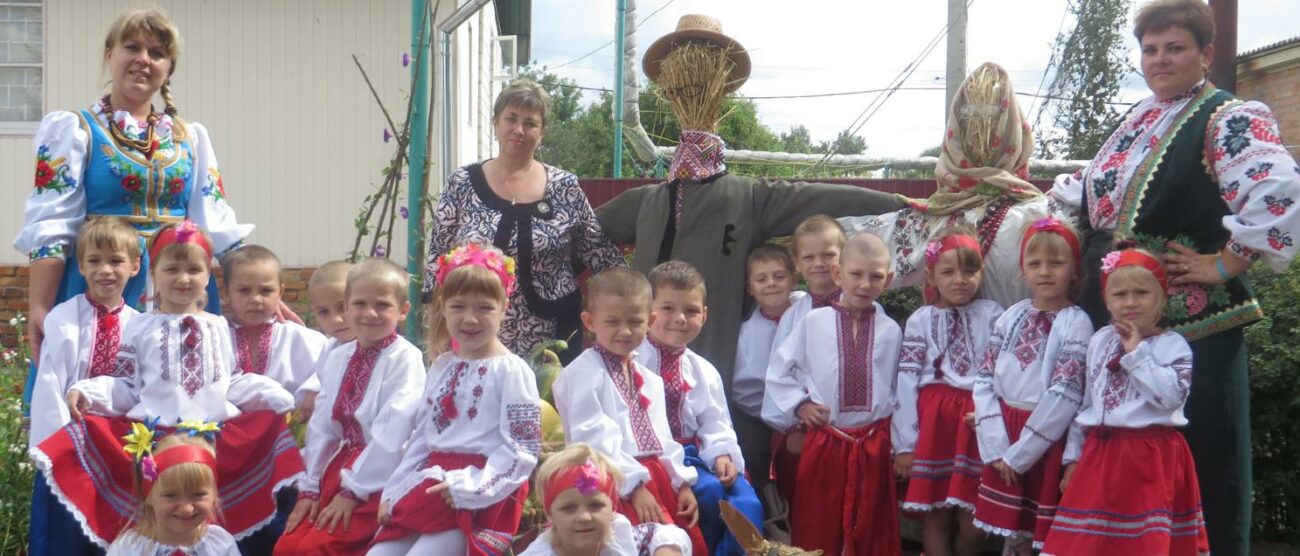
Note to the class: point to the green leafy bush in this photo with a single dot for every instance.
(16, 471)
(1275, 405)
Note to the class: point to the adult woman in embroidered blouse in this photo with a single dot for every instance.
(117, 158)
(533, 212)
(1203, 178)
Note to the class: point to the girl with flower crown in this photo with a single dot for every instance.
(1129, 482)
(178, 484)
(940, 354)
(578, 487)
(1029, 388)
(175, 368)
(370, 391)
(462, 482)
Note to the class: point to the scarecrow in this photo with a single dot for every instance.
(983, 174)
(706, 216)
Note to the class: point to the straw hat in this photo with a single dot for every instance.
(698, 28)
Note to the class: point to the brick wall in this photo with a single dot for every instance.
(1273, 77)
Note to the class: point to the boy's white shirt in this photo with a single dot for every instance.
(704, 412)
(386, 414)
(927, 336)
(65, 357)
(312, 384)
(1150, 390)
(150, 385)
(625, 539)
(807, 367)
(505, 426)
(1051, 382)
(753, 352)
(593, 411)
(294, 355)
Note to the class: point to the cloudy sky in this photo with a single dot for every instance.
(824, 46)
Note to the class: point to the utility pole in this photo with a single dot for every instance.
(956, 51)
(619, 42)
(1223, 69)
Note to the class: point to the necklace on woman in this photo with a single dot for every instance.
(145, 146)
(506, 180)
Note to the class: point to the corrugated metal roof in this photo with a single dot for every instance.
(1269, 48)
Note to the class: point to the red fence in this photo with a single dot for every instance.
(601, 190)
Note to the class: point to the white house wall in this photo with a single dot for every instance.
(297, 133)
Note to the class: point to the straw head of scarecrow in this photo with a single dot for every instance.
(696, 67)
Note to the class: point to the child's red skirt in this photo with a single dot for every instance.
(1026, 508)
(488, 531)
(661, 487)
(846, 502)
(93, 477)
(1133, 492)
(946, 465)
(306, 539)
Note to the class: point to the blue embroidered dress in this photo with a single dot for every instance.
(82, 172)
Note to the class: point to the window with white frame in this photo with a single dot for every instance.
(22, 47)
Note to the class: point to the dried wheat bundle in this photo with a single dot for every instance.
(984, 92)
(693, 79)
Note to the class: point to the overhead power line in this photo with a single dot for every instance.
(610, 43)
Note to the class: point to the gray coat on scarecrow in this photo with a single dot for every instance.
(704, 215)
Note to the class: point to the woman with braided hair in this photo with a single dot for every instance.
(119, 158)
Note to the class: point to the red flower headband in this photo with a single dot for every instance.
(938, 247)
(1132, 257)
(588, 478)
(1051, 224)
(477, 255)
(185, 232)
(154, 467)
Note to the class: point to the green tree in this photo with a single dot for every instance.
(797, 140)
(1091, 63)
(566, 97)
(844, 143)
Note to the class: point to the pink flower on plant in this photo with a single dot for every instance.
(387, 135)
(406, 59)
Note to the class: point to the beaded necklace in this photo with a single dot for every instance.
(146, 146)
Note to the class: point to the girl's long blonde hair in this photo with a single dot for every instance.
(465, 280)
(185, 478)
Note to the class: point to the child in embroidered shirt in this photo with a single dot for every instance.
(370, 389)
(176, 366)
(1029, 388)
(462, 483)
(770, 276)
(179, 486)
(325, 298)
(835, 374)
(578, 487)
(1138, 378)
(608, 400)
(817, 244)
(81, 339)
(287, 352)
(941, 352)
(696, 405)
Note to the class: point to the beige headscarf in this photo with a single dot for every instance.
(986, 147)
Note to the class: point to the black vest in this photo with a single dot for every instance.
(1174, 196)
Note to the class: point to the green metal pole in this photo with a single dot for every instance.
(619, 42)
(417, 159)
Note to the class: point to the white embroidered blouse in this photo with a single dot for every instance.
(474, 406)
(823, 362)
(695, 402)
(753, 353)
(180, 367)
(1036, 360)
(369, 396)
(625, 540)
(1144, 388)
(215, 542)
(623, 421)
(81, 341)
(286, 352)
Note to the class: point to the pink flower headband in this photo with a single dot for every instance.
(1132, 257)
(477, 255)
(938, 247)
(588, 478)
(185, 232)
(1051, 224)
